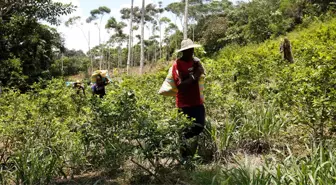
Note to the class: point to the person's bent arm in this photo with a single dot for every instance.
(183, 84)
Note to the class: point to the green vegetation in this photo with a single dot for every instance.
(31, 50)
(27, 46)
(268, 121)
(256, 102)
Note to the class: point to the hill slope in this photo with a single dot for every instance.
(256, 103)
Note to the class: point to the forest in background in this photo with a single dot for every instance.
(33, 51)
(268, 121)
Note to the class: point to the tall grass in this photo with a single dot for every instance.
(319, 168)
(262, 122)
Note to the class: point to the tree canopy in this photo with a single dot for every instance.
(27, 46)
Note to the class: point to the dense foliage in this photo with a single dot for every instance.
(220, 23)
(70, 62)
(27, 46)
(31, 50)
(255, 101)
(214, 24)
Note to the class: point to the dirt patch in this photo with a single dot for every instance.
(255, 146)
(97, 178)
(74, 78)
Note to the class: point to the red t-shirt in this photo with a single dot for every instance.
(189, 96)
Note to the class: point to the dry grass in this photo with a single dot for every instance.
(148, 69)
(97, 178)
(134, 71)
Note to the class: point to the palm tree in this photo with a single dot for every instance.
(119, 36)
(163, 21)
(177, 9)
(172, 29)
(130, 38)
(147, 14)
(135, 28)
(160, 11)
(154, 37)
(101, 11)
(142, 55)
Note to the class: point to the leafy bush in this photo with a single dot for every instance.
(36, 137)
(251, 95)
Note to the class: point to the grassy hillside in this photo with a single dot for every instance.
(261, 104)
(256, 103)
(241, 80)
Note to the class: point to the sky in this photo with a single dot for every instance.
(74, 36)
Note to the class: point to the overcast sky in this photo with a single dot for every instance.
(73, 36)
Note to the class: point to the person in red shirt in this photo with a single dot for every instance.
(186, 73)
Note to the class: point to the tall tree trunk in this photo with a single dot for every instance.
(109, 58)
(152, 53)
(142, 55)
(193, 28)
(90, 52)
(130, 38)
(62, 58)
(148, 57)
(101, 46)
(155, 53)
(119, 56)
(133, 51)
(160, 40)
(185, 31)
(133, 56)
(101, 53)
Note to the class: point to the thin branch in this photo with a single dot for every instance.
(87, 40)
(144, 168)
(152, 163)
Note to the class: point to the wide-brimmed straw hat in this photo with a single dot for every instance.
(187, 44)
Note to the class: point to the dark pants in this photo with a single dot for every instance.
(197, 113)
(100, 91)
